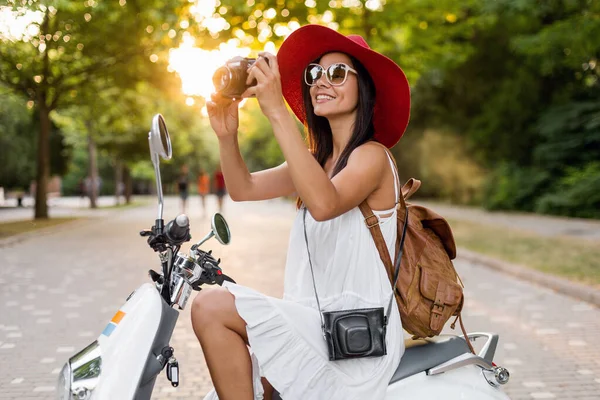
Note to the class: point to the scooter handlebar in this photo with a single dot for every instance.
(178, 230)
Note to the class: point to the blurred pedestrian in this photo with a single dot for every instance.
(220, 189)
(203, 188)
(81, 190)
(183, 186)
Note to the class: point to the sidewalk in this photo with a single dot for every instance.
(61, 207)
(544, 225)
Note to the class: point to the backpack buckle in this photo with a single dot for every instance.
(374, 219)
(438, 308)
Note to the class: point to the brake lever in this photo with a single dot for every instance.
(157, 243)
(211, 272)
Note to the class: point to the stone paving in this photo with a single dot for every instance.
(60, 289)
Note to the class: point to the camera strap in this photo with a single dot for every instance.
(396, 266)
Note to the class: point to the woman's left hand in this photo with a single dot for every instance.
(268, 88)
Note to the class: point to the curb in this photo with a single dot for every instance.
(560, 285)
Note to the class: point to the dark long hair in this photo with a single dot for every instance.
(318, 131)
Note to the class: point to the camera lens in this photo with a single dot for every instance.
(221, 79)
(230, 79)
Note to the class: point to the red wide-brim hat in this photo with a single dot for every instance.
(392, 103)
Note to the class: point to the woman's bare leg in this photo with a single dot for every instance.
(267, 388)
(222, 335)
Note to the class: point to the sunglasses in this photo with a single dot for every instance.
(336, 74)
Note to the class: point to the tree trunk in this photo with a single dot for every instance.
(43, 162)
(119, 185)
(92, 170)
(128, 185)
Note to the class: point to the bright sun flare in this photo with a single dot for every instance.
(196, 66)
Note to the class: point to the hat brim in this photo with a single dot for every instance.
(392, 103)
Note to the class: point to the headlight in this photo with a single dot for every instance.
(80, 375)
(63, 388)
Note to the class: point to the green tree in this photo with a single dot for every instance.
(72, 44)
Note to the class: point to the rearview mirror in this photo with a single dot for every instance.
(160, 146)
(160, 142)
(220, 230)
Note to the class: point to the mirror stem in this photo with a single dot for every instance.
(159, 190)
(210, 234)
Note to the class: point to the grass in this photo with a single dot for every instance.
(17, 227)
(578, 260)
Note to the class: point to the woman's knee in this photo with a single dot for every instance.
(209, 305)
(216, 306)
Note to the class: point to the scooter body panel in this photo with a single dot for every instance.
(466, 383)
(126, 342)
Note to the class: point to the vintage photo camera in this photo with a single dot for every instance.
(230, 79)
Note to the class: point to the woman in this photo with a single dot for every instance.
(182, 186)
(220, 188)
(350, 98)
(203, 188)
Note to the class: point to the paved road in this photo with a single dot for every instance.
(59, 290)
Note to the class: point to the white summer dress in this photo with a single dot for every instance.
(285, 337)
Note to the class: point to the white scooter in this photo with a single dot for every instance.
(134, 348)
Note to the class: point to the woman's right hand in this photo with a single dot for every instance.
(223, 115)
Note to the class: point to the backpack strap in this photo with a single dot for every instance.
(410, 187)
(383, 251)
(372, 222)
(464, 331)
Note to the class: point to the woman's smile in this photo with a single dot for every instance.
(323, 98)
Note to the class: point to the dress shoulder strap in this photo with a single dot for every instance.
(396, 178)
(394, 171)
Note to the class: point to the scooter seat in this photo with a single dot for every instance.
(423, 354)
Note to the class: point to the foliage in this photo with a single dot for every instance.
(258, 148)
(16, 139)
(505, 93)
(576, 194)
(73, 51)
(525, 101)
(511, 187)
(18, 126)
(562, 180)
(569, 135)
(446, 168)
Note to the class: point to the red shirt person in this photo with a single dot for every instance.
(220, 189)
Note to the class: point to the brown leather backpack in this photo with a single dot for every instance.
(429, 291)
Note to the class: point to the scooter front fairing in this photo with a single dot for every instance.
(127, 356)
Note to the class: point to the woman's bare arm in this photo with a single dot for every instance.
(328, 198)
(245, 186)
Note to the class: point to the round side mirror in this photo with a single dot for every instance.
(160, 142)
(221, 229)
